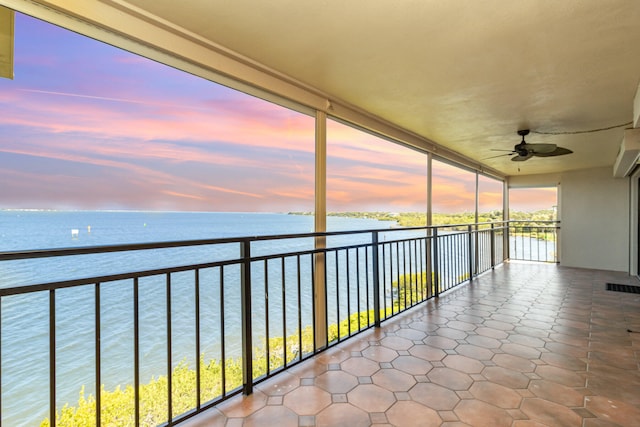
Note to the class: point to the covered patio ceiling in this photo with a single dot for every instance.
(464, 74)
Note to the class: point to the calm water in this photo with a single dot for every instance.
(25, 332)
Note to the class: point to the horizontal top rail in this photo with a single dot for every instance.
(87, 250)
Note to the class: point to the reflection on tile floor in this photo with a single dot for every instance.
(525, 345)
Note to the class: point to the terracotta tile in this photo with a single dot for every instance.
(463, 364)
(514, 363)
(342, 414)
(482, 341)
(336, 381)
(532, 332)
(243, 406)
(440, 342)
(454, 334)
(272, 415)
(307, 400)
(360, 366)
(557, 393)
(393, 380)
(505, 377)
(492, 333)
(434, 396)
(563, 361)
(396, 343)
(475, 352)
(481, 414)
(520, 351)
(371, 398)
(561, 376)
(279, 385)
(526, 340)
(379, 353)
(427, 352)
(495, 324)
(406, 413)
(496, 394)
(411, 334)
(550, 413)
(450, 378)
(412, 365)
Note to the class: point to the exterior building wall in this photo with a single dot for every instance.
(595, 220)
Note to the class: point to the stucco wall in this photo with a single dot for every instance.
(595, 220)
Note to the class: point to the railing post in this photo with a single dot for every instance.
(376, 279)
(436, 263)
(471, 251)
(245, 295)
(493, 246)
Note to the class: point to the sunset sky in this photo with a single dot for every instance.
(89, 126)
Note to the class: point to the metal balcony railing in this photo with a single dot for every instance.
(196, 322)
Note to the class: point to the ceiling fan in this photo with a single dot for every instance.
(524, 151)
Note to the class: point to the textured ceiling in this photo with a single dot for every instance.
(466, 74)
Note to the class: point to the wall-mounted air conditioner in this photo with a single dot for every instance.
(628, 155)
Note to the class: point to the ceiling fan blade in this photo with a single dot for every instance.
(522, 158)
(559, 151)
(541, 148)
(499, 155)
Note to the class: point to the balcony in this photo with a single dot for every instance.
(520, 342)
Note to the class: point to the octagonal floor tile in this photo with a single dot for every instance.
(450, 378)
(271, 416)
(360, 366)
(427, 352)
(496, 394)
(481, 414)
(371, 398)
(434, 396)
(505, 377)
(307, 400)
(342, 414)
(464, 364)
(379, 353)
(396, 343)
(550, 413)
(407, 413)
(561, 376)
(393, 380)
(412, 365)
(336, 381)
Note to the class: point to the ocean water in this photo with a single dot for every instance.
(25, 333)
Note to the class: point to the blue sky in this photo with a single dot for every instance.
(88, 126)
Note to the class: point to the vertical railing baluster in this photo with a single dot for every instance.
(223, 346)
(266, 315)
(52, 357)
(136, 350)
(299, 307)
(284, 311)
(436, 263)
(384, 281)
(358, 285)
(97, 338)
(348, 286)
(404, 271)
(337, 294)
(366, 275)
(169, 353)
(398, 272)
(197, 328)
(492, 236)
(326, 298)
(313, 300)
(471, 253)
(376, 281)
(245, 294)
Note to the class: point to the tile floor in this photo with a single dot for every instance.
(526, 345)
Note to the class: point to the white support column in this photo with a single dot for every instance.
(320, 226)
